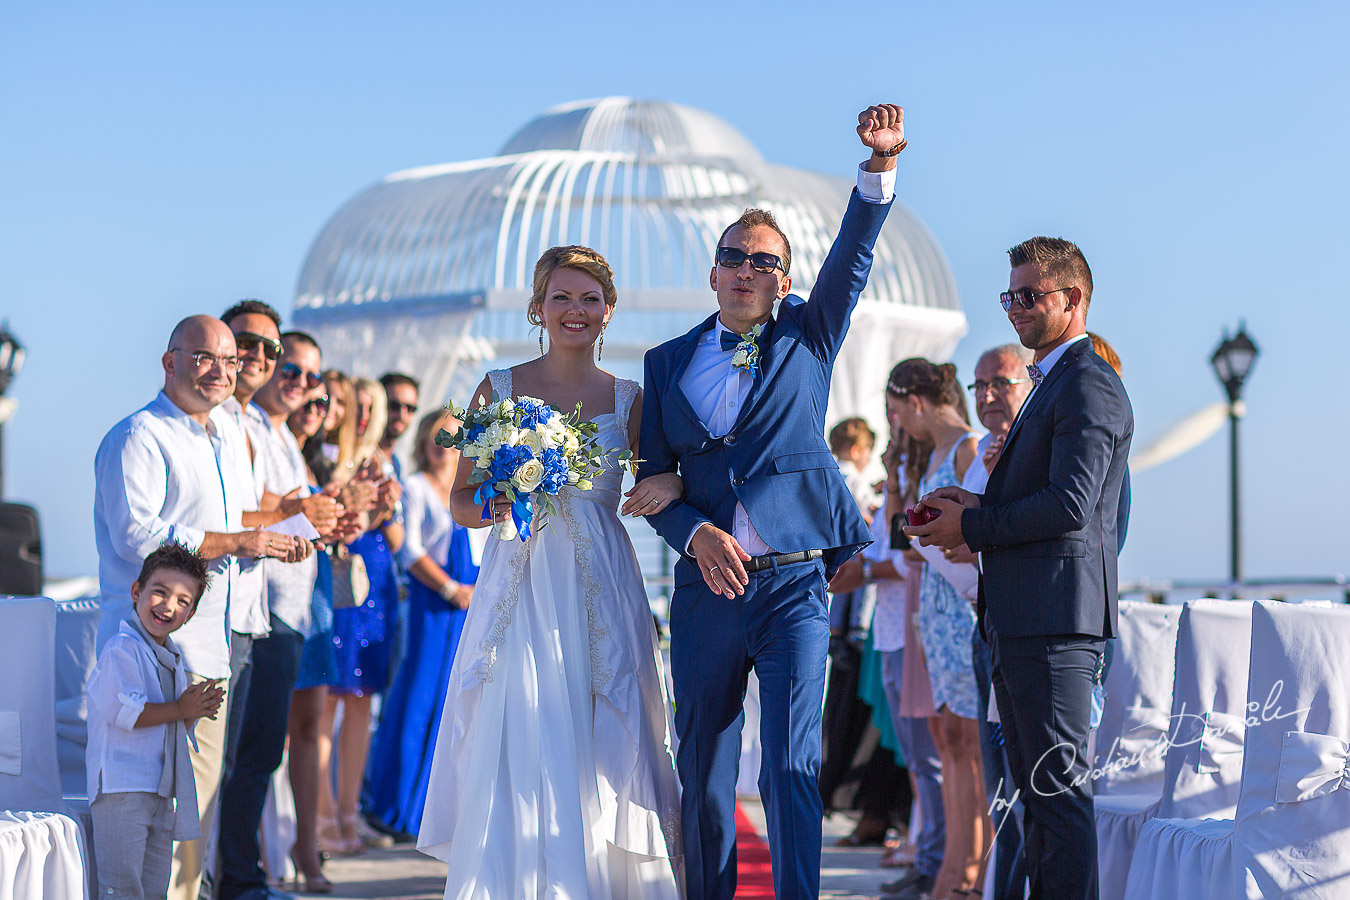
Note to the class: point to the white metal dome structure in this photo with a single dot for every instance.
(428, 271)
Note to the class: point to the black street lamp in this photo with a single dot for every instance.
(1232, 362)
(11, 361)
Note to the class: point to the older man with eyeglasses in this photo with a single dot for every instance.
(170, 472)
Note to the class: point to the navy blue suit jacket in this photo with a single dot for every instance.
(775, 460)
(1048, 523)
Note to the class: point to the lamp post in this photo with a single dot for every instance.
(11, 361)
(1232, 362)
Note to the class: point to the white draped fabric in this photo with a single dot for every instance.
(29, 776)
(1203, 763)
(1291, 833)
(41, 857)
(1130, 741)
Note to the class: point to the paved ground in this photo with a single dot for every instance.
(404, 874)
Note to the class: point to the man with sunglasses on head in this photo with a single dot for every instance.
(170, 472)
(737, 407)
(1046, 527)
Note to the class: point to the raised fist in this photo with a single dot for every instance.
(881, 127)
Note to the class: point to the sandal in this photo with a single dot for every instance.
(867, 833)
(897, 858)
(329, 839)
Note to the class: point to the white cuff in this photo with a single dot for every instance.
(876, 187)
(690, 539)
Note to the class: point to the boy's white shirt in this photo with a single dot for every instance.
(121, 757)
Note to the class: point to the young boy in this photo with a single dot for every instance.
(141, 714)
(851, 442)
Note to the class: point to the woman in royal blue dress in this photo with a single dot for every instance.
(438, 555)
(365, 620)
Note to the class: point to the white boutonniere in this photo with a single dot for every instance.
(745, 355)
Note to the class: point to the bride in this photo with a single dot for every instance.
(553, 775)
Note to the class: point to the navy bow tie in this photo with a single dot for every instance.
(1037, 376)
(731, 340)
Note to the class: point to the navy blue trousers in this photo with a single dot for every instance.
(780, 627)
(1043, 685)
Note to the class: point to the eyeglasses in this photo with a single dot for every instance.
(1025, 297)
(731, 258)
(319, 404)
(292, 372)
(395, 406)
(204, 360)
(998, 385)
(247, 340)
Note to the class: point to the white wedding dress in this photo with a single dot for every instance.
(553, 775)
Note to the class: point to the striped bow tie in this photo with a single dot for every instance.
(1037, 376)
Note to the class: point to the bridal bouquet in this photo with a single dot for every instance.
(526, 451)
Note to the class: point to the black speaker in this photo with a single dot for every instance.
(20, 550)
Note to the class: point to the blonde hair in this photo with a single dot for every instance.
(574, 256)
(344, 435)
(367, 443)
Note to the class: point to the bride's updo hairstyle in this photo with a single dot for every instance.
(583, 259)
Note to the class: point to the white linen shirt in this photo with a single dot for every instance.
(717, 390)
(888, 616)
(124, 680)
(160, 476)
(290, 586)
(248, 600)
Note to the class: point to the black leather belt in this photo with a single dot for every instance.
(759, 563)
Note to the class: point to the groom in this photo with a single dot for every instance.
(737, 407)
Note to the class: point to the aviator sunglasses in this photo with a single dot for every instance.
(731, 258)
(247, 340)
(1025, 297)
(292, 372)
(319, 405)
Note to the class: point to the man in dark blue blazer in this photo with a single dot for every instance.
(1046, 528)
(737, 407)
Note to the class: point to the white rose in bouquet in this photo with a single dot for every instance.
(528, 476)
(570, 444)
(532, 441)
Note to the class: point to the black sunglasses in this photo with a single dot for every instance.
(395, 406)
(1025, 297)
(731, 258)
(247, 340)
(292, 372)
(319, 404)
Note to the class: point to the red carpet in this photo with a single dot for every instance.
(754, 873)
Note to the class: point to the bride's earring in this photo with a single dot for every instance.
(600, 351)
(541, 340)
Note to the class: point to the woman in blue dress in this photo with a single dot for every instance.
(365, 621)
(438, 555)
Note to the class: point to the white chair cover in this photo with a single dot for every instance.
(29, 777)
(1293, 812)
(1129, 743)
(1203, 761)
(41, 857)
(76, 637)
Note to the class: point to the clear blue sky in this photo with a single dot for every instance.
(161, 160)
